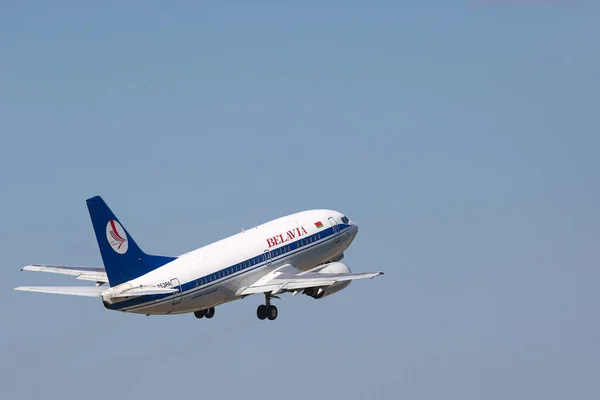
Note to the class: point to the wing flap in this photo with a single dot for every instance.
(86, 291)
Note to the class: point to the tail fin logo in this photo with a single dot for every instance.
(116, 236)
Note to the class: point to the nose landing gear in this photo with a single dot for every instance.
(267, 311)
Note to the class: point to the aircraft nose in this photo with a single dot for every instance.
(354, 227)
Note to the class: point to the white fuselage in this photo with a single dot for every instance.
(217, 273)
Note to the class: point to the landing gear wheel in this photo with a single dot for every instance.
(271, 313)
(261, 312)
(210, 312)
(199, 314)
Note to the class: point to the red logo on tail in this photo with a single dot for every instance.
(115, 234)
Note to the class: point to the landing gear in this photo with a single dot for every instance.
(261, 312)
(208, 313)
(271, 313)
(267, 310)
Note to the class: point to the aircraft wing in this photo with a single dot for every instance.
(83, 273)
(288, 278)
(87, 291)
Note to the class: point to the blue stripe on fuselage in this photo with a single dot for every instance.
(225, 274)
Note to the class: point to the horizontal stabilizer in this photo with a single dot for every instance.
(82, 273)
(87, 291)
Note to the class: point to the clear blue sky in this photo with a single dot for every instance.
(462, 137)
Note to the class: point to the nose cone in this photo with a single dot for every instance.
(353, 230)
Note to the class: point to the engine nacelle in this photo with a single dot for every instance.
(332, 268)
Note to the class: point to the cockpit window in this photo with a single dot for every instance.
(345, 219)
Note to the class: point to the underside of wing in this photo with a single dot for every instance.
(288, 278)
(97, 275)
(87, 291)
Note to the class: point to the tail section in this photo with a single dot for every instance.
(122, 257)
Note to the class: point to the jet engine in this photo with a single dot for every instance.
(332, 268)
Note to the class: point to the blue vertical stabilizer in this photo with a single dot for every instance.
(122, 257)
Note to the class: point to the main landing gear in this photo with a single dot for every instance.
(208, 313)
(267, 310)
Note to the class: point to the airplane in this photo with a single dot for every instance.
(299, 254)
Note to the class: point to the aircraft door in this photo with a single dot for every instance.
(177, 295)
(334, 226)
(268, 257)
